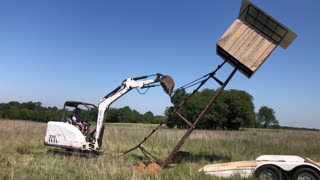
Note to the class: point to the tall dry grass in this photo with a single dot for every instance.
(23, 155)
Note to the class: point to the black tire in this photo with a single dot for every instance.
(268, 172)
(305, 173)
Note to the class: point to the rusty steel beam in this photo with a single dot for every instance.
(190, 130)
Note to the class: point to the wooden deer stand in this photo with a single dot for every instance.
(245, 45)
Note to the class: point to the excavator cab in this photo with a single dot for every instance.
(88, 113)
(87, 110)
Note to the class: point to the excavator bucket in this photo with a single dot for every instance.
(167, 84)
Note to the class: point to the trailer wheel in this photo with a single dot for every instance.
(268, 172)
(305, 173)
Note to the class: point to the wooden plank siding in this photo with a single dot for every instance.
(245, 46)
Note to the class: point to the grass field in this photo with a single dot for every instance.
(23, 155)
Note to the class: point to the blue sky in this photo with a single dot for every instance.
(53, 51)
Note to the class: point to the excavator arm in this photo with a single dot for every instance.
(166, 82)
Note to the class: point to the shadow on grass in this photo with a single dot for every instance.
(182, 156)
(137, 157)
(74, 153)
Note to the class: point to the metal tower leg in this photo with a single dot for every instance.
(193, 126)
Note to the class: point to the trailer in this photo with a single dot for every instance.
(275, 167)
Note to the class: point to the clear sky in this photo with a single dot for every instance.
(53, 51)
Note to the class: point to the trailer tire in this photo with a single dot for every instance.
(268, 172)
(305, 172)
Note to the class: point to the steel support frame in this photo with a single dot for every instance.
(193, 126)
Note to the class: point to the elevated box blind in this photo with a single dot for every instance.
(251, 38)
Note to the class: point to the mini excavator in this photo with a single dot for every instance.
(65, 135)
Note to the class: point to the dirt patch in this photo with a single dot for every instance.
(139, 167)
(151, 168)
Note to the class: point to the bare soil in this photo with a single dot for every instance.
(150, 168)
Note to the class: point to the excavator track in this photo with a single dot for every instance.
(75, 153)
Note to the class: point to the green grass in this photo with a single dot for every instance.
(23, 155)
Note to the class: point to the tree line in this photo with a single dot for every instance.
(29, 111)
(233, 109)
(126, 114)
(34, 111)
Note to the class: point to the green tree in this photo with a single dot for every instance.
(178, 96)
(172, 118)
(125, 114)
(232, 109)
(135, 117)
(170, 123)
(29, 111)
(266, 117)
(36, 112)
(112, 115)
(239, 109)
(148, 117)
(157, 119)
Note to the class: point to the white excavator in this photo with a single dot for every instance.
(65, 135)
